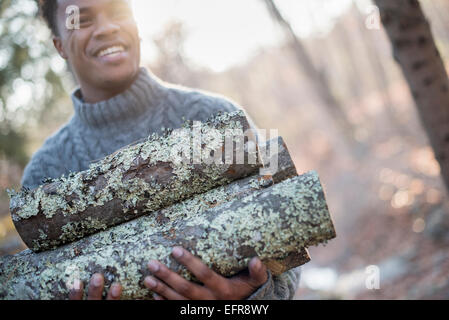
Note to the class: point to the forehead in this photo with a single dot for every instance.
(89, 4)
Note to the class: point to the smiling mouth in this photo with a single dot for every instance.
(111, 51)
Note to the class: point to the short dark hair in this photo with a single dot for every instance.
(48, 12)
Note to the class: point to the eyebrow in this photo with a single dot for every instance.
(112, 2)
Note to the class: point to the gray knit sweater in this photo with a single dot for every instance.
(97, 130)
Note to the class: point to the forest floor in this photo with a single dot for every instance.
(391, 211)
(412, 257)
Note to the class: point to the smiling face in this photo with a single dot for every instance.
(104, 52)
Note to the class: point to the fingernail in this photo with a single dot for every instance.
(150, 282)
(177, 252)
(153, 266)
(76, 285)
(97, 280)
(115, 290)
(257, 264)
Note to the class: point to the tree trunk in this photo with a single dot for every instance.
(440, 11)
(135, 180)
(416, 52)
(273, 222)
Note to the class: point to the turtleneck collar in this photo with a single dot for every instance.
(143, 94)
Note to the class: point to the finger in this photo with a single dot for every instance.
(77, 292)
(95, 291)
(115, 291)
(176, 282)
(162, 290)
(201, 271)
(257, 272)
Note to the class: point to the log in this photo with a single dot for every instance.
(134, 181)
(271, 222)
(274, 151)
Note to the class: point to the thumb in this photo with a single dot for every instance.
(257, 272)
(76, 293)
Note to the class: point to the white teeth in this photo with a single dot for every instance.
(111, 50)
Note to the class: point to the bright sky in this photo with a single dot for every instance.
(223, 33)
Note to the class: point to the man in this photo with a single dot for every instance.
(117, 103)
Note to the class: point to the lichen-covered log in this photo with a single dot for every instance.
(273, 149)
(271, 223)
(136, 180)
(129, 230)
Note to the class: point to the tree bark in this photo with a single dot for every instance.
(135, 180)
(415, 50)
(274, 223)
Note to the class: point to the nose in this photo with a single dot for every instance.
(105, 27)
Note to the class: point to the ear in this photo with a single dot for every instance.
(58, 45)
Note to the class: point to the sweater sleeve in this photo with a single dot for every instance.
(40, 167)
(45, 163)
(281, 287)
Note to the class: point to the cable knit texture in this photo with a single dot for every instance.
(99, 129)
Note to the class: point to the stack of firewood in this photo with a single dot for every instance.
(225, 198)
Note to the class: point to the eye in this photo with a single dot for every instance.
(85, 20)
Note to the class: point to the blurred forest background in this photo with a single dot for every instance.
(381, 179)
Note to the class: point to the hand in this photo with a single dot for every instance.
(95, 290)
(170, 285)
